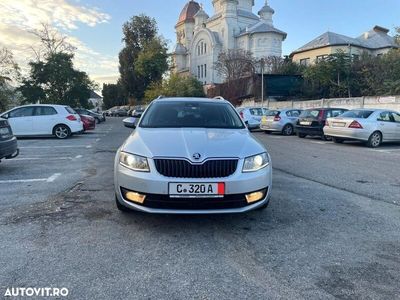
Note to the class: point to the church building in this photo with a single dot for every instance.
(233, 25)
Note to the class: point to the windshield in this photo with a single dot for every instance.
(193, 114)
(361, 114)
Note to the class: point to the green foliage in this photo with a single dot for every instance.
(113, 95)
(175, 86)
(56, 81)
(144, 58)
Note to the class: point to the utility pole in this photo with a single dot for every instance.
(262, 81)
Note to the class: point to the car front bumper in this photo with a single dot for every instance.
(155, 187)
(9, 148)
(347, 133)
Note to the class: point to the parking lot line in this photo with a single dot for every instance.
(42, 158)
(50, 179)
(47, 147)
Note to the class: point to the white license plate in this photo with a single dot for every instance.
(4, 131)
(334, 124)
(305, 123)
(196, 189)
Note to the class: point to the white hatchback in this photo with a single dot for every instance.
(43, 120)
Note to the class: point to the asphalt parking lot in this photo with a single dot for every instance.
(331, 231)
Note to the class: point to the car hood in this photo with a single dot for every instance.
(184, 142)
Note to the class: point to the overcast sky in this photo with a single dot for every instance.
(94, 26)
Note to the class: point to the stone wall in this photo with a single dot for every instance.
(384, 102)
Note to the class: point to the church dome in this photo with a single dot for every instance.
(188, 12)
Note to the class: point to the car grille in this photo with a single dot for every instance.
(3, 124)
(180, 168)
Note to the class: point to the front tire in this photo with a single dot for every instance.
(62, 132)
(375, 140)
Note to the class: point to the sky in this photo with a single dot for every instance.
(94, 26)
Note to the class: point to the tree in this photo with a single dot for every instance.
(51, 42)
(175, 86)
(140, 36)
(9, 71)
(56, 81)
(113, 95)
(235, 64)
(397, 35)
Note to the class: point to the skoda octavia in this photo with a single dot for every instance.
(192, 156)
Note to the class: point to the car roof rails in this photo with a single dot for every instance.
(219, 98)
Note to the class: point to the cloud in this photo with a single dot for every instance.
(20, 17)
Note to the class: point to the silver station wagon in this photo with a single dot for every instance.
(192, 156)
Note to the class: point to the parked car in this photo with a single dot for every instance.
(89, 123)
(251, 116)
(312, 121)
(98, 117)
(8, 142)
(43, 120)
(282, 121)
(192, 156)
(121, 112)
(372, 126)
(137, 113)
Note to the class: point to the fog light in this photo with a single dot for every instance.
(256, 196)
(135, 197)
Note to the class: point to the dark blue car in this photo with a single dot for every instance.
(8, 142)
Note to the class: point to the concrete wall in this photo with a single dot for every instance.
(384, 102)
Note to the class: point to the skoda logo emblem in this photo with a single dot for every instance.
(196, 156)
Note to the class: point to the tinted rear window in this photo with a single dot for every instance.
(310, 113)
(361, 114)
(256, 111)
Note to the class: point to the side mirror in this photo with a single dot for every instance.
(130, 123)
(5, 116)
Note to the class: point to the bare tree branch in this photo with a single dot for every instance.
(51, 42)
(235, 64)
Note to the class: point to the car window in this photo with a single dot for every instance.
(385, 117)
(21, 112)
(173, 114)
(334, 113)
(396, 117)
(45, 111)
(310, 113)
(360, 114)
(69, 110)
(293, 113)
(272, 113)
(256, 111)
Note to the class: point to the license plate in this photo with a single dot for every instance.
(196, 189)
(4, 131)
(305, 123)
(334, 124)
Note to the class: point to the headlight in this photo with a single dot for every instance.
(256, 162)
(134, 162)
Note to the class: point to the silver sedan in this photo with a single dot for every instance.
(282, 121)
(373, 126)
(192, 156)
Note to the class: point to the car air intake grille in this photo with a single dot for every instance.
(180, 168)
(3, 123)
